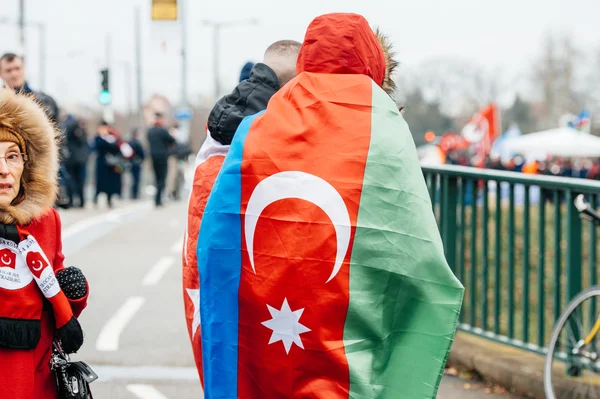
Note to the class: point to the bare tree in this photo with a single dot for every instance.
(556, 73)
(592, 90)
(460, 87)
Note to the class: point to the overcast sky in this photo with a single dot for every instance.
(505, 34)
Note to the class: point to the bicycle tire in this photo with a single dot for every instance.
(560, 323)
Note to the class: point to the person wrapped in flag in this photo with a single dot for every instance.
(40, 299)
(249, 97)
(322, 272)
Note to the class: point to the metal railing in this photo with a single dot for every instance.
(517, 244)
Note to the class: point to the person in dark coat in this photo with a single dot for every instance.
(77, 157)
(12, 73)
(136, 162)
(161, 143)
(109, 161)
(252, 95)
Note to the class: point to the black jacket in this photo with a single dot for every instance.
(77, 143)
(46, 101)
(248, 98)
(138, 151)
(160, 142)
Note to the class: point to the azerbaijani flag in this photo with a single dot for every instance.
(322, 273)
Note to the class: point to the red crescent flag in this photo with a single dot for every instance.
(482, 130)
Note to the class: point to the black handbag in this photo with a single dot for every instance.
(73, 379)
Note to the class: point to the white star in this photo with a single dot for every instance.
(195, 297)
(285, 325)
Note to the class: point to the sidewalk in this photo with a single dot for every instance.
(515, 369)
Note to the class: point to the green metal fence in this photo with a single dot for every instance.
(517, 244)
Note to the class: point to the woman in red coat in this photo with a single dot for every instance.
(40, 299)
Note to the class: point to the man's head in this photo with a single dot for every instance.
(12, 70)
(281, 57)
(159, 119)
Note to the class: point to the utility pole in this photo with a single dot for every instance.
(217, 26)
(41, 26)
(42, 39)
(182, 10)
(107, 112)
(22, 27)
(138, 66)
(216, 56)
(127, 68)
(184, 124)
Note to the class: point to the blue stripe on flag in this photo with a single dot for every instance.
(219, 265)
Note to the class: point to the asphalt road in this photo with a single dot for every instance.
(136, 338)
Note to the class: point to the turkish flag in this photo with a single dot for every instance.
(482, 130)
(36, 263)
(8, 258)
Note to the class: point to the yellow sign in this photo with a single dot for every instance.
(164, 10)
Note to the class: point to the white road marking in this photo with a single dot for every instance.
(158, 270)
(145, 391)
(108, 340)
(112, 216)
(173, 223)
(177, 246)
(132, 373)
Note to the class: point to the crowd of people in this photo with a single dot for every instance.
(115, 155)
(583, 168)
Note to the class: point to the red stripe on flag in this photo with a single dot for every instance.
(319, 125)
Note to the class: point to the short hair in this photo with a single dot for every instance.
(283, 47)
(9, 57)
(281, 56)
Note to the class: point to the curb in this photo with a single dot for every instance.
(512, 368)
(519, 370)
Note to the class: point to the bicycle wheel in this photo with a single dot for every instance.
(572, 366)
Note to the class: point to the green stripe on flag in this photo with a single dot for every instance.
(404, 299)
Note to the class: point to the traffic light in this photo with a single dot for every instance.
(104, 73)
(104, 96)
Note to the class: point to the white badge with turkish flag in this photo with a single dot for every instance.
(39, 266)
(14, 273)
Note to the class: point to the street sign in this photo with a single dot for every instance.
(164, 10)
(184, 114)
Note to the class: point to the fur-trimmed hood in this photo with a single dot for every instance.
(390, 63)
(341, 43)
(23, 114)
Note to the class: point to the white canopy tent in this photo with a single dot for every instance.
(431, 155)
(560, 142)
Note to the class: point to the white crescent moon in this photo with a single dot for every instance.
(3, 261)
(306, 187)
(37, 269)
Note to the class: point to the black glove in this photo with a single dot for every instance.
(72, 282)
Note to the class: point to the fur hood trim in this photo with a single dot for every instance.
(39, 182)
(390, 63)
